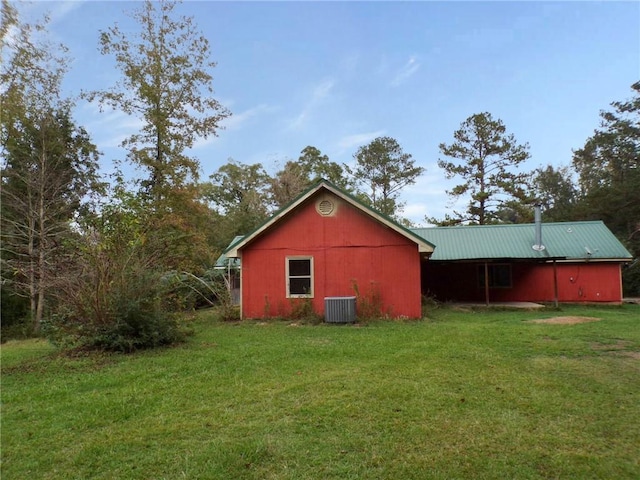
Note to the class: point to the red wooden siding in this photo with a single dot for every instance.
(347, 247)
(531, 282)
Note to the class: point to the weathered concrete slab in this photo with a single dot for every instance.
(521, 305)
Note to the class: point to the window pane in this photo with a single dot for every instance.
(299, 286)
(299, 268)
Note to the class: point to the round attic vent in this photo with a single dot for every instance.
(325, 207)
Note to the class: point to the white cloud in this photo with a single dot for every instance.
(55, 10)
(415, 211)
(203, 142)
(60, 10)
(358, 139)
(428, 197)
(318, 95)
(297, 122)
(431, 182)
(349, 64)
(383, 66)
(409, 68)
(322, 90)
(108, 128)
(237, 120)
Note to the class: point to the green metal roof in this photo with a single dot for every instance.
(223, 260)
(567, 240)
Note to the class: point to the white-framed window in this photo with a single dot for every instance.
(299, 277)
(499, 275)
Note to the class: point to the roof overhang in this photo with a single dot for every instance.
(536, 260)
(595, 260)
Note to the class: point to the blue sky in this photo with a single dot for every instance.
(336, 75)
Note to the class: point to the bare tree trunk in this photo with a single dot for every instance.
(41, 232)
(33, 302)
(41, 265)
(31, 264)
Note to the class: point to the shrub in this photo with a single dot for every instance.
(302, 309)
(211, 289)
(631, 279)
(429, 303)
(15, 308)
(140, 319)
(369, 303)
(16, 323)
(118, 306)
(114, 294)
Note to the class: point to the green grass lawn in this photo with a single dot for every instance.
(460, 395)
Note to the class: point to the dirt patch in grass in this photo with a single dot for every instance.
(569, 320)
(617, 345)
(620, 348)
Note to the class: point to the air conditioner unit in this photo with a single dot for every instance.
(340, 309)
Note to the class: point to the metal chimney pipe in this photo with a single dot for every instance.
(538, 225)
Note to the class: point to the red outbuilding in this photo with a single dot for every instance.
(327, 244)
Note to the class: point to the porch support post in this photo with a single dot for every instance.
(486, 283)
(555, 284)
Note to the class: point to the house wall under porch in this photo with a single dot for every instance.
(577, 282)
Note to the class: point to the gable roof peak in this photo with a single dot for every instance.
(424, 246)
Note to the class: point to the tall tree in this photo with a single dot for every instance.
(288, 183)
(487, 156)
(317, 166)
(608, 167)
(556, 191)
(296, 176)
(183, 228)
(49, 164)
(167, 83)
(239, 194)
(383, 169)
